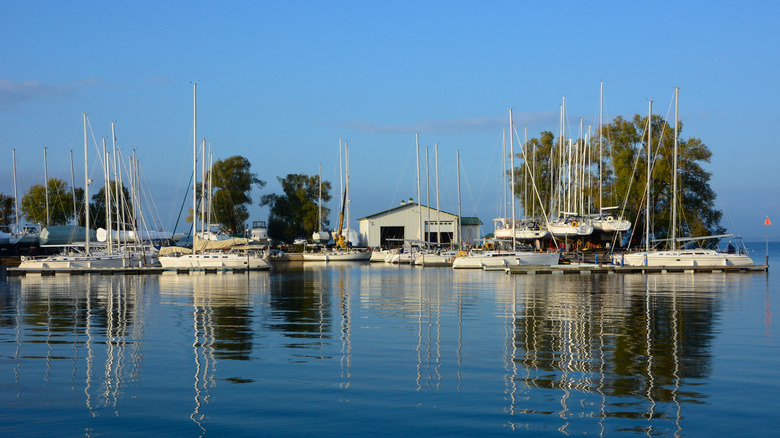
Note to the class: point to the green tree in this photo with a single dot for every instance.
(7, 210)
(296, 212)
(232, 182)
(697, 215)
(624, 177)
(97, 212)
(60, 203)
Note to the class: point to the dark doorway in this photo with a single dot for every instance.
(391, 237)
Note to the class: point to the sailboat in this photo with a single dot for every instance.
(21, 234)
(607, 222)
(683, 256)
(207, 253)
(342, 253)
(321, 237)
(511, 229)
(496, 259)
(73, 258)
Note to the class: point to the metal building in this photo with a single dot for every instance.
(389, 228)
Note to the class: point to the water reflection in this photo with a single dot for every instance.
(577, 354)
(610, 347)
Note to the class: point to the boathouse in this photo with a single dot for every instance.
(389, 228)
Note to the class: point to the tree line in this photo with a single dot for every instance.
(614, 175)
(620, 165)
(293, 213)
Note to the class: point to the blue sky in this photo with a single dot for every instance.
(281, 82)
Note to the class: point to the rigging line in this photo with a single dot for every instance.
(401, 177)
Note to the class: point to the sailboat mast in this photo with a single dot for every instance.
(438, 212)
(107, 196)
(16, 196)
(428, 190)
(460, 220)
(194, 163)
(503, 146)
(203, 225)
(46, 185)
(346, 187)
(647, 193)
(72, 188)
(419, 204)
(86, 189)
(319, 202)
(601, 122)
(512, 173)
(674, 171)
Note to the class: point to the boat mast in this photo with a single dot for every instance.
(419, 204)
(16, 195)
(346, 188)
(107, 197)
(503, 146)
(512, 173)
(319, 202)
(601, 122)
(46, 185)
(203, 225)
(86, 189)
(438, 212)
(460, 220)
(72, 188)
(674, 171)
(647, 193)
(194, 163)
(428, 191)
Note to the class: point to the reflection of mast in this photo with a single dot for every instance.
(345, 301)
(430, 360)
(204, 355)
(649, 352)
(676, 358)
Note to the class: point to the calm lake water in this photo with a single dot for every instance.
(377, 350)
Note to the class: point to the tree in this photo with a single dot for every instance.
(697, 215)
(296, 212)
(624, 177)
(7, 210)
(232, 182)
(60, 203)
(97, 210)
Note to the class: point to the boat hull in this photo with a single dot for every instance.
(697, 257)
(351, 256)
(497, 260)
(219, 261)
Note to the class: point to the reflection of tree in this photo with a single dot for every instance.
(299, 307)
(232, 332)
(650, 340)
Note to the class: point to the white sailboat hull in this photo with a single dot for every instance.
(215, 260)
(73, 262)
(503, 259)
(686, 257)
(337, 256)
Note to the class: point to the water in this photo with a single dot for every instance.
(376, 350)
